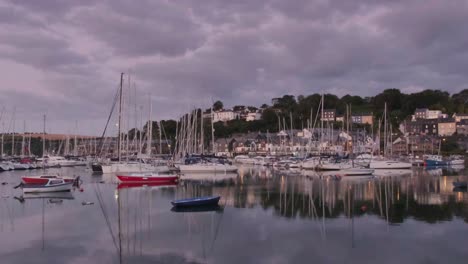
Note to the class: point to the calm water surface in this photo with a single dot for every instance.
(268, 217)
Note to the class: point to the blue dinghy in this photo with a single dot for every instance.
(198, 201)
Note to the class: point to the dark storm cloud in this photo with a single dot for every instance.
(186, 53)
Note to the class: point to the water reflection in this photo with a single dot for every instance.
(264, 216)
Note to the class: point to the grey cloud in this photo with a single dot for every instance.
(149, 28)
(241, 52)
(57, 7)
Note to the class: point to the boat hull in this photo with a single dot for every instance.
(132, 167)
(200, 201)
(39, 180)
(149, 179)
(35, 188)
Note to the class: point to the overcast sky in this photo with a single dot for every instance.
(64, 57)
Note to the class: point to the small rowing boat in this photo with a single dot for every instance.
(53, 185)
(198, 201)
(43, 179)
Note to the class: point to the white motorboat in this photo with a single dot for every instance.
(456, 160)
(52, 185)
(6, 166)
(310, 164)
(56, 161)
(334, 165)
(43, 179)
(262, 161)
(20, 166)
(380, 163)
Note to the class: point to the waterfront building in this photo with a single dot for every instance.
(362, 118)
(459, 117)
(339, 118)
(328, 115)
(446, 127)
(225, 115)
(424, 113)
(462, 127)
(253, 116)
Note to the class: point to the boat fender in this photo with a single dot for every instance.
(81, 189)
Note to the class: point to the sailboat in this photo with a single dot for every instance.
(139, 165)
(384, 162)
(188, 144)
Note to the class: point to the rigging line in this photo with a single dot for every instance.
(108, 120)
(105, 215)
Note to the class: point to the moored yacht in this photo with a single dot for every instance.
(56, 161)
(6, 166)
(206, 164)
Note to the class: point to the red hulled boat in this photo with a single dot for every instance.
(43, 179)
(148, 177)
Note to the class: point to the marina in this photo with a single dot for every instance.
(232, 132)
(269, 215)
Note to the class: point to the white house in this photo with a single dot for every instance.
(253, 116)
(225, 115)
(424, 113)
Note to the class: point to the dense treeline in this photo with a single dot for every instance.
(399, 107)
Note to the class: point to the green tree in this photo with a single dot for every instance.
(218, 105)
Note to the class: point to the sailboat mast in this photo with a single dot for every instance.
(202, 137)
(3, 132)
(43, 137)
(119, 139)
(321, 120)
(160, 137)
(149, 130)
(22, 139)
(292, 132)
(212, 130)
(75, 145)
(385, 130)
(13, 134)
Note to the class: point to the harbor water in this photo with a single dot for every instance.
(266, 216)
